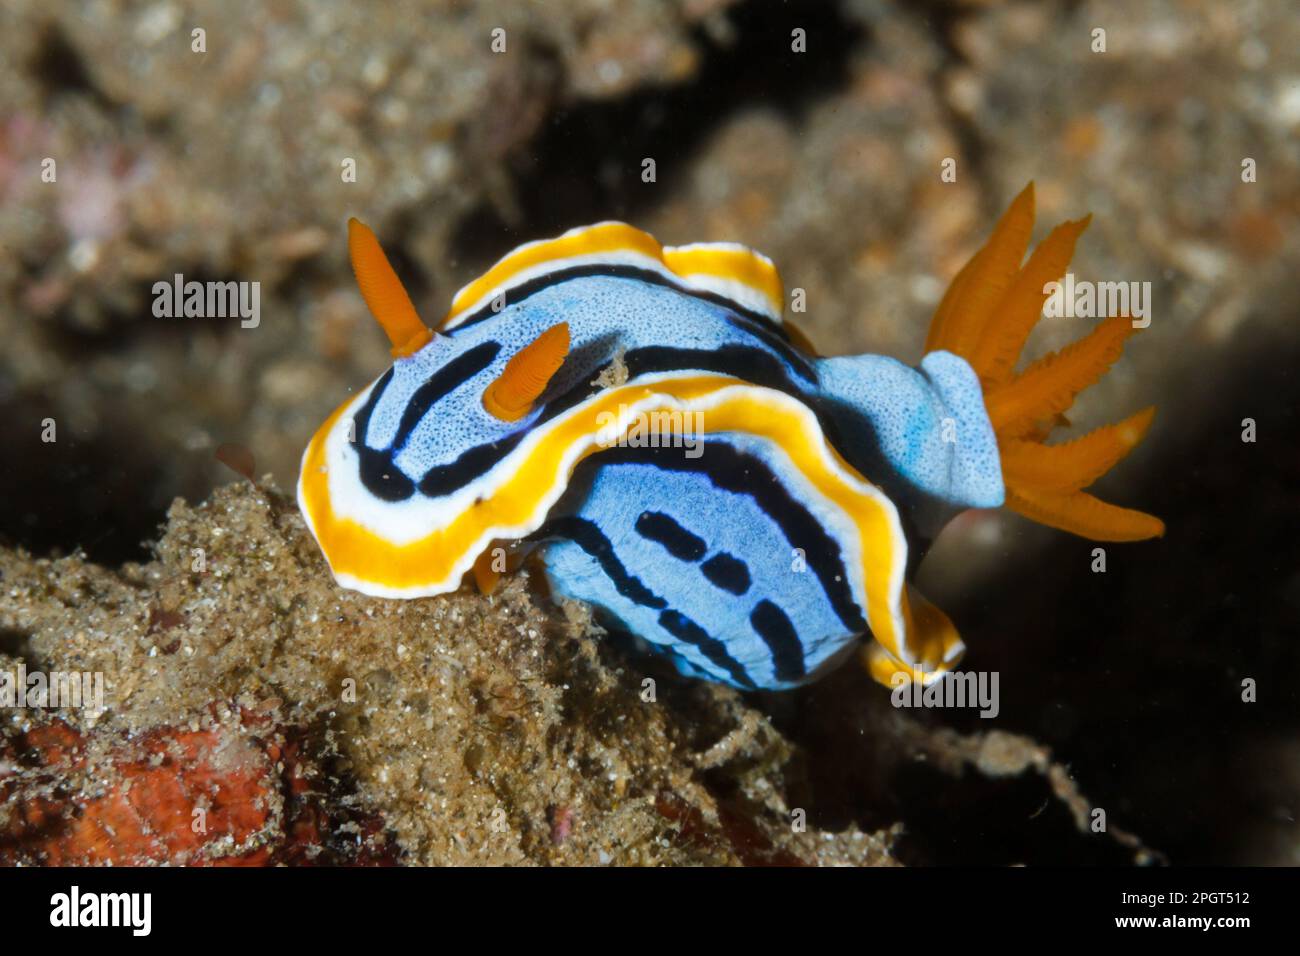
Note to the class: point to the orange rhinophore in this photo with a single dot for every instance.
(511, 394)
(385, 296)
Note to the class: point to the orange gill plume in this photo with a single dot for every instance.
(985, 317)
(385, 296)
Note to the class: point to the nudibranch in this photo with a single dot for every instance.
(763, 550)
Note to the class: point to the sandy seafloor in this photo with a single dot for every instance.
(310, 723)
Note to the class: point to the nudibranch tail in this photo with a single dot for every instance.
(384, 293)
(985, 317)
(933, 646)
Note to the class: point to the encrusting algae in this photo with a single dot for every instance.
(465, 729)
(467, 724)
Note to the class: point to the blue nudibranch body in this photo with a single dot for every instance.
(679, 459)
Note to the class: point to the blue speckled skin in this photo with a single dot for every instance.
(922, 435)
(732, 525)
(605, 314)
(894, 419)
